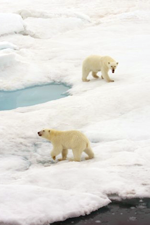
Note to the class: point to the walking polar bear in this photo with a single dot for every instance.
(64, 140)
(96, 63)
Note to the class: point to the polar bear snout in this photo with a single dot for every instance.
(39, 133)
(113, 70)
(44, 133)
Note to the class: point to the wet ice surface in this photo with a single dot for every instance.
(126, 212)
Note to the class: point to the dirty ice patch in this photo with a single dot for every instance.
(133, 16)
(11, 23)
(13, 163)
(59, 12)
(48, 28)
(47, 203)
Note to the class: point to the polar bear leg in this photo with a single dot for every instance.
(56, 151)
(89, 152)
(94, 74)
(64, 154)
(106, 76)
(85, 74)
(77, 154)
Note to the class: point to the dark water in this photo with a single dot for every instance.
(32, 96)
(126, 212)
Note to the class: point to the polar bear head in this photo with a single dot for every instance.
(45, 134)
(112, 66)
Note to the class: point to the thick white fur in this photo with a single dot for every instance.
(96, 63)
(64, 140)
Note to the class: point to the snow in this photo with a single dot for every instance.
(11, 23)
(49, 44)
(47, 28)
(42, 198)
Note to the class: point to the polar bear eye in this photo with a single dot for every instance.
(49, 131)
(43, 130)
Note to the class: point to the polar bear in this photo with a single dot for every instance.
(95, 63)
(64, 140)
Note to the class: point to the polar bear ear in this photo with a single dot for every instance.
(108, 62)
(117, 63)
(49, 131)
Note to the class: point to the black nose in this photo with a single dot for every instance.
(39, 133)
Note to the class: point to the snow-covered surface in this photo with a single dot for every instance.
(11, 23)
(114, 116)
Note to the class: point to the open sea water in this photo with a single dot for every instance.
(126, 212)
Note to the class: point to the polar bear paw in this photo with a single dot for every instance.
(85, 80)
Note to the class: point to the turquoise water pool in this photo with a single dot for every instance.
(32, 96)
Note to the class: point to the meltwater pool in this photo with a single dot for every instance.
(32, 95)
